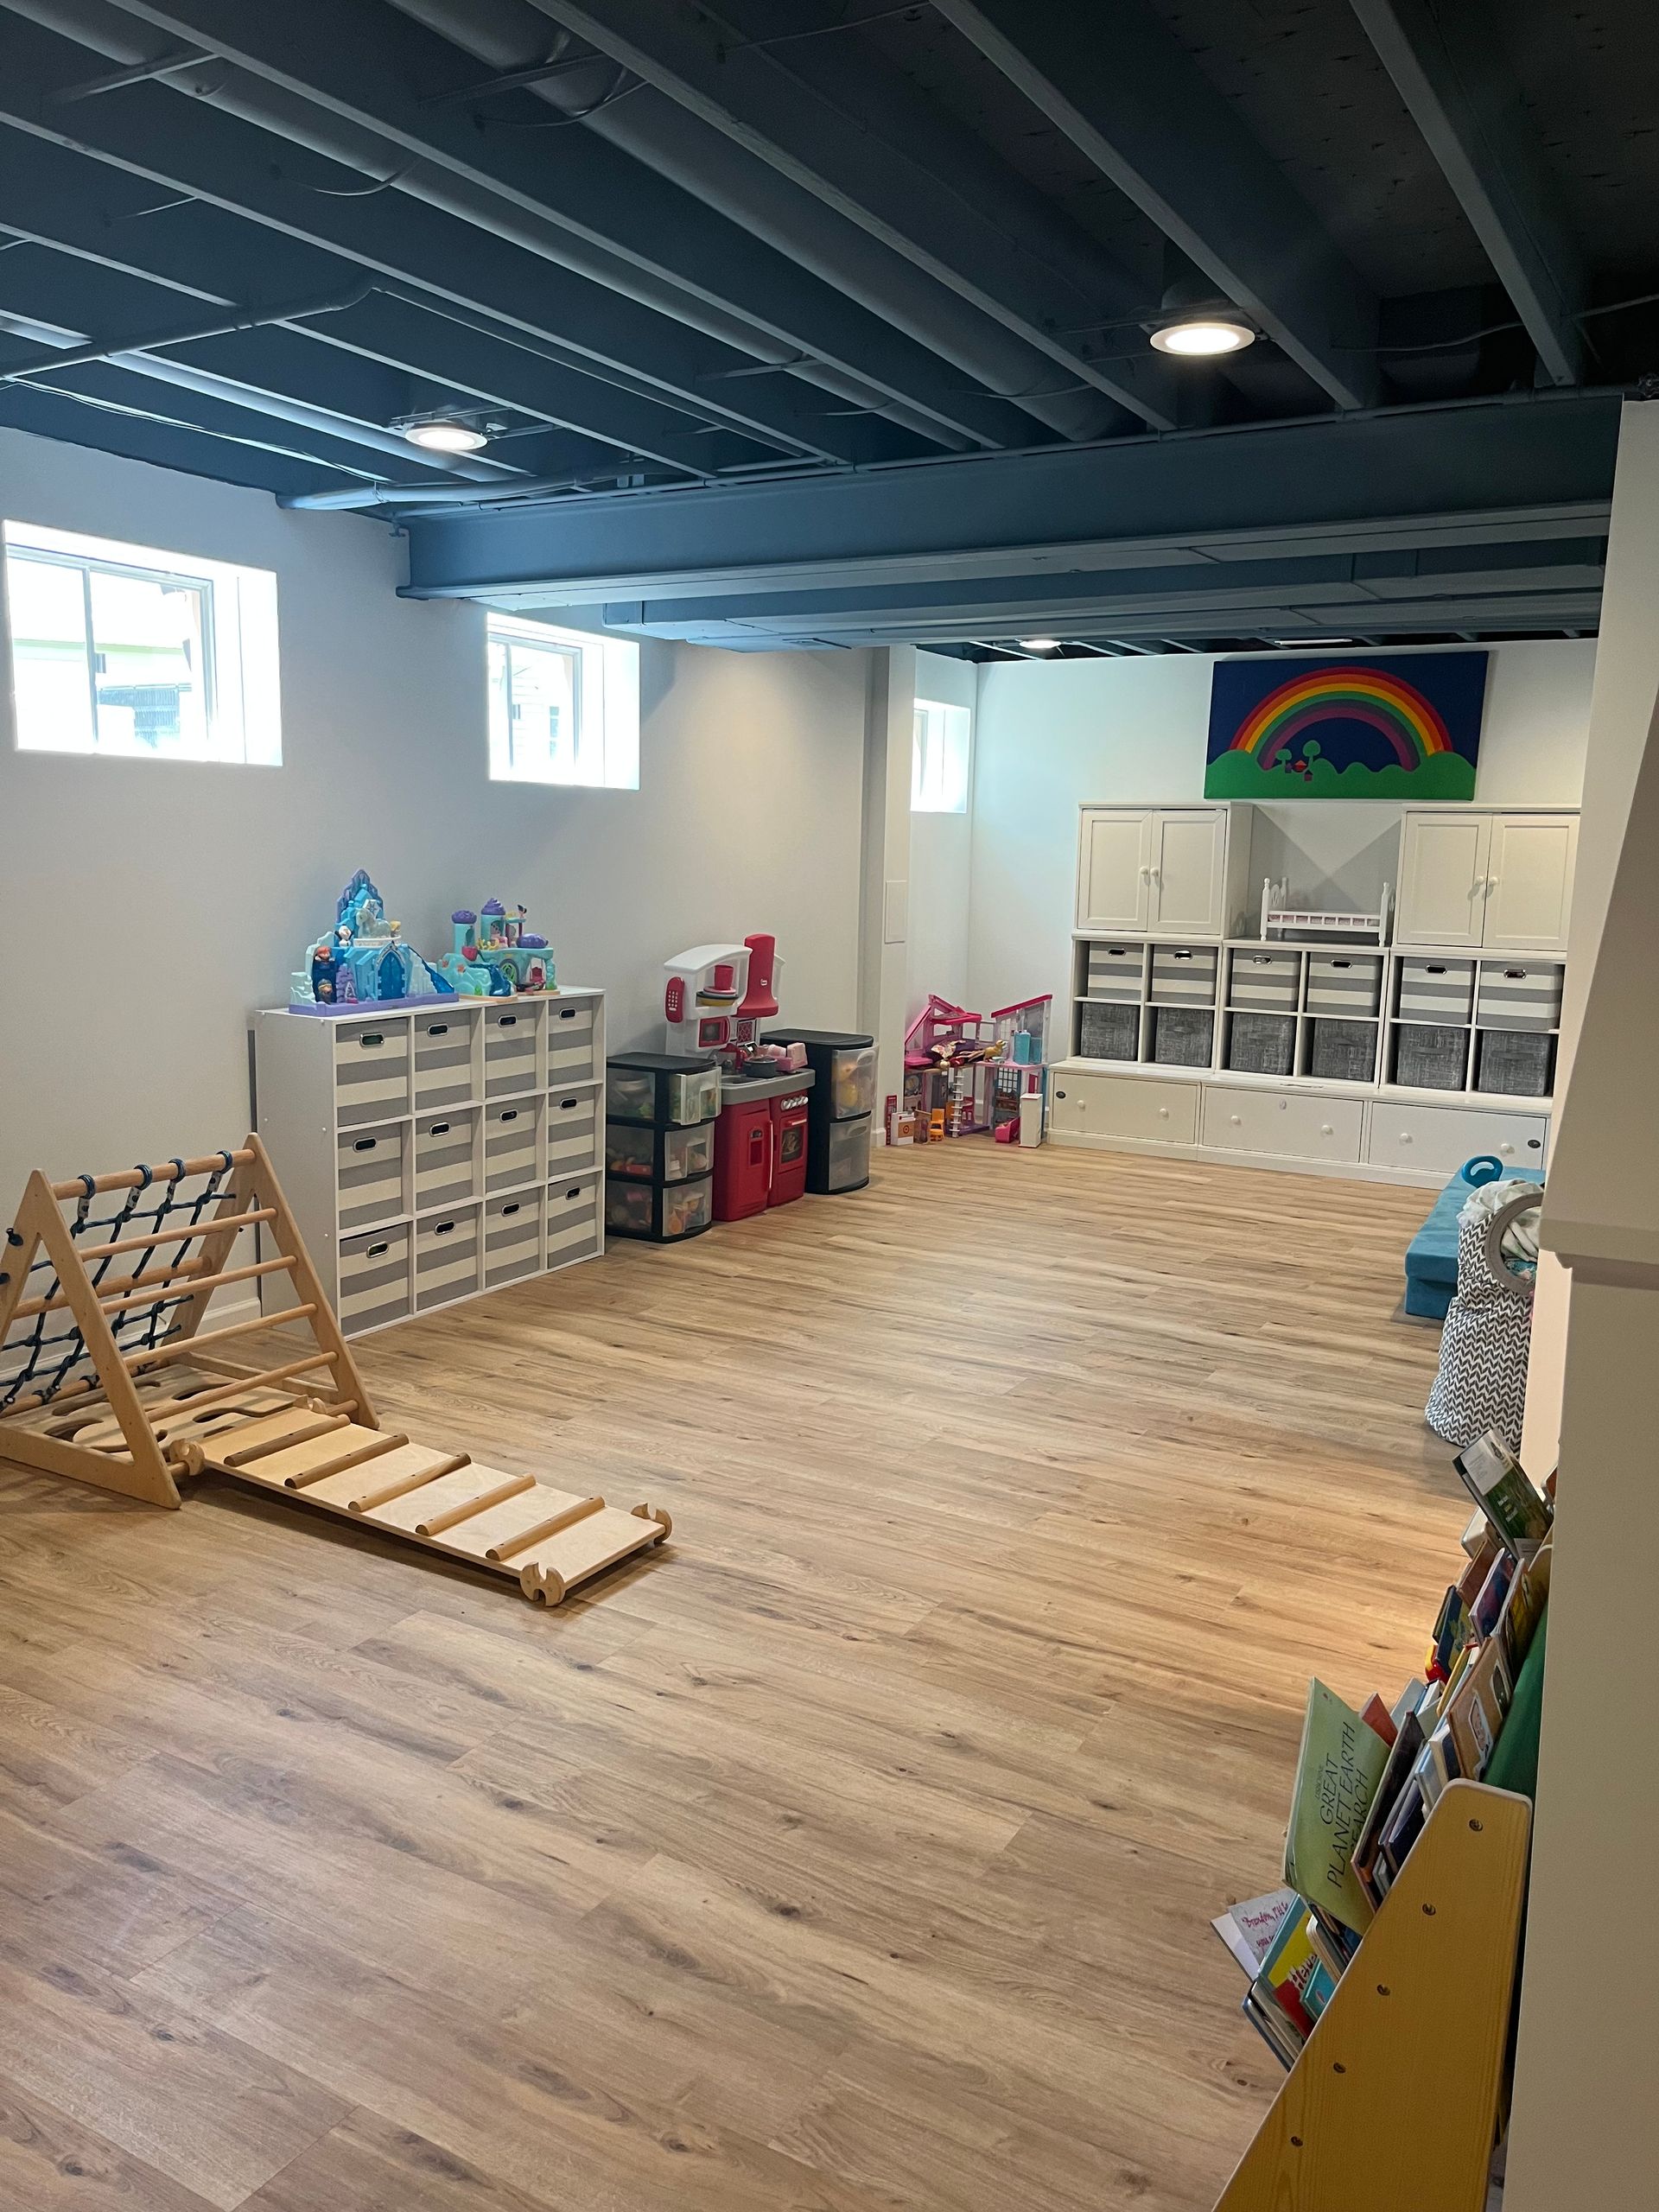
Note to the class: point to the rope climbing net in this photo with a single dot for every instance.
(145, 1240)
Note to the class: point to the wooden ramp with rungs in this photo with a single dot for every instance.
(104, 1376)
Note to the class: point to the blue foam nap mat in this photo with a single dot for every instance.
(1432, 1254)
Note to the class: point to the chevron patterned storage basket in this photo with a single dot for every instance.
(1482, 1383)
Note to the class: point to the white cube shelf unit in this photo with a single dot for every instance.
(434, 1152)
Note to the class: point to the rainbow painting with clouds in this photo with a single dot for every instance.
(1405, 725)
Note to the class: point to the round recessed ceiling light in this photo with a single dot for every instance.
(445, 436)
(1038, 645)
(1198, 335)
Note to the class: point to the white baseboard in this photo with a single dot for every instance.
(1351, 1170)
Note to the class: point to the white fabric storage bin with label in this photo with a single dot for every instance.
(445, 1170)
(1347, 984)
(1183, 975)
(371, 1071)
(374, 1287)
(446, 1257)
(509, 1035)
(1263, 979)
(1433, 989)
(512, 1236)
(572, 1131)
(443, 1059)
(571, 1041)
(573, 1225)
(1520, 995)
(1115, 969)
(370, 1175)
(512, 1137)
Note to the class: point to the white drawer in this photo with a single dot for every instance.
(510, 1049)
(512, 1236)
(572, 1131)
(370, 1175)
(511, 1142)
(370, 1071)
(1124, 1106)
(443, 1058)
(1288, 1124)
(573, 1222)
(570, 1042)
(446, 1256)
(1436, 1139)
(446, 1164)
(374, 1286)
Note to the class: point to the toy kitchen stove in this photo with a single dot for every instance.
(717, 997)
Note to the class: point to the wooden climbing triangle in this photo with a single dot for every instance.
(106, 1378)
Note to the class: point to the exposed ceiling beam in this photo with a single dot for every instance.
(1458, 467)
(1129, 95)
(1448, 64)
(155, 435)
(867, 143)
(603, 211)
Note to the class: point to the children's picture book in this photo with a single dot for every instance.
(1527, 1600)
(1520, 1515)
(1337, 1770)
(1294, 1977)
(1407, 1745)
(1480, 1706)
(1451, 1631)
(1248, 1931)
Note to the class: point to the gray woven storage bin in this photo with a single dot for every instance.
(1107, 1032)
(1430, 1059)
(1181, 1036)
(1261, 1044)
(1514, 1061)
(1343, 1052)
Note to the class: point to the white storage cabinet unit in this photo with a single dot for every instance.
(1472, 875)
(1170, 870)
(431, 1153)
(1392, 1063)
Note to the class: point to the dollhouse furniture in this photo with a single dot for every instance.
(438, 1152)
(839, 1105)
(660, 1111)
(1318, 1047)
(760, 1142)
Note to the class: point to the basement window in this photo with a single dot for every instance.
(564, 706)
(133, 653)
(938, 769)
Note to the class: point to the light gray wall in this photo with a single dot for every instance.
(147, 907)
(941, 858)
(1050, 736)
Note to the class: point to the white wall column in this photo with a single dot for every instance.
(1627, 676)
(885, 887)
(1586, 2127)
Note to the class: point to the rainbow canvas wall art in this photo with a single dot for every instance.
(1405, 726)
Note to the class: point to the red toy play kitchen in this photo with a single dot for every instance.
(760, 1143)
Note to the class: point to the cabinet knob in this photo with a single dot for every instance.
(1163, 1113)
(1234, 1119)
(1405, 1136)
(1326, 1129)
(1506, 1149)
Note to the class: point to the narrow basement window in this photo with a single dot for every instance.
(564, 706)
(131, 652)
(938, 772)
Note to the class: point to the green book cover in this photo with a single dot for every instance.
(1337, 1771)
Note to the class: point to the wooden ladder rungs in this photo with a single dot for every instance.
(279, 1439)
(188, 1233)
(198, 1347)
(376, 1448)
(192, 1282)
(171, 1413)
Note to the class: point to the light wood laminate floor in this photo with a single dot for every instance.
(855, 1852)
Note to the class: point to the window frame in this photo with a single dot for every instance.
(604, 748)
(238, 729)
(941, 761)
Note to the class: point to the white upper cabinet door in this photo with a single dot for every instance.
(1443, 864)
(1189, 849)
(1529, 881)
(1114, 868)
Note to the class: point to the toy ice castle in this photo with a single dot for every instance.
(364, 962)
